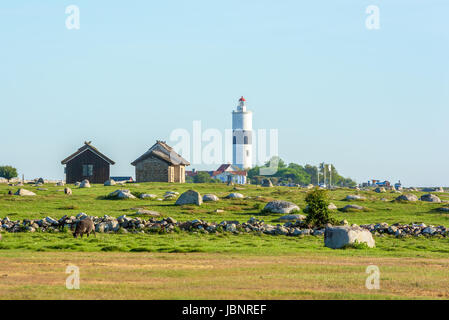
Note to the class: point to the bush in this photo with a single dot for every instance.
(318, 211)
(8, 172)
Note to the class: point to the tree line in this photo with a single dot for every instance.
(298, 174)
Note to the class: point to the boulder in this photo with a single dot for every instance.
(109, 183)
(354, 197)
(267, 183)
(146, 195)
(189, 197)
(234, 195)
(352, 207)
(380, 190)
(148, 213)
(121, 194)
(430, 198)
(24, 192)
(279, 206)
(332, 206)
(407, 197)
(68, 191)
(292, 217)
(210, 197)
(338, 237)
(85, 184)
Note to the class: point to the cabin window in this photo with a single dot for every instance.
(247, 153)
(88, 170)
(245, 140)
(234, 141)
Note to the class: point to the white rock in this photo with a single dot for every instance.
(338, 237)
(189, 197)
(235, 195)
(354, 197)
(85, 184)
(279, 206)
(110, 182)
(24, 192)
(210, 197)
(121, 194)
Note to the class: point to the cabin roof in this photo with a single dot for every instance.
(162, 151)
(87, 146)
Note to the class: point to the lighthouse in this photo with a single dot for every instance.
(242, 135)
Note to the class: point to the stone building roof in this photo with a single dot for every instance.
(162, 151)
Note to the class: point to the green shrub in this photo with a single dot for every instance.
(318, 212)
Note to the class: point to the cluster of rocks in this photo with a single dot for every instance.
(413, 229)
(294, 226)
(426, 198)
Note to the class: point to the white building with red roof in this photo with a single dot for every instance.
(242, 132)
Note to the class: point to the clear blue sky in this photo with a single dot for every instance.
(372, 102)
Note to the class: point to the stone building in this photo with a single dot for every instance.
(160, 164)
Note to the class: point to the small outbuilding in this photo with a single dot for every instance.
(160, 164)
(87, 163)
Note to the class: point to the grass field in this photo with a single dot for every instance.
(201, 266)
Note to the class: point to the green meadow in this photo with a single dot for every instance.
(194, 265)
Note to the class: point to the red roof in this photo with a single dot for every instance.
(242, 99)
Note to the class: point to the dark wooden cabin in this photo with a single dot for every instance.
(87, 163)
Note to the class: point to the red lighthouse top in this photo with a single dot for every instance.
(242, 99)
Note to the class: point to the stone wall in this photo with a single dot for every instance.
(152, 170)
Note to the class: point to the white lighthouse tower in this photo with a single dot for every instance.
(242, 132)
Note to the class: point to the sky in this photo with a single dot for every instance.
(373, 102)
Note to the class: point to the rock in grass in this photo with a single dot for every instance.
(110, 182)
(339, 237)
(430, 198)
(279, 206)
(234, 195)
(148, 213)
(352, 197)
(121, 194)
(24, 192)
(189, 197)
(210, 197)
(84, 184)
(407, 197)
(352, 207)
(68, 191)
(146, 195)
(332, 206)
(292, 217)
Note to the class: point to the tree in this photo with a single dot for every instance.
(318, 210)
(8, 172)
(201, 177)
